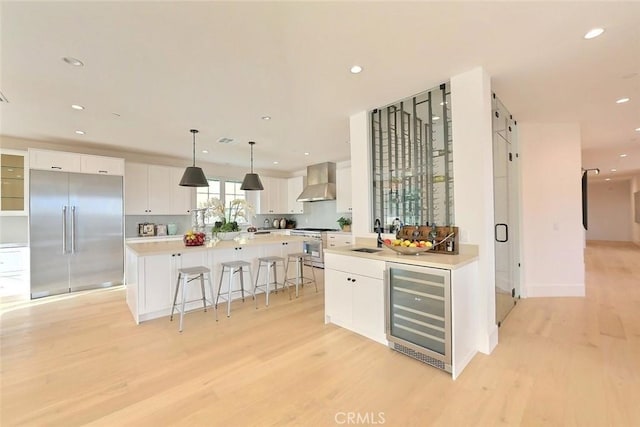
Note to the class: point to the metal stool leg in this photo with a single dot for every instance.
(313, 273)
(175, 297)
(299, 267)
(241, 274)
(229, 292)
(185, 281)
(204, 300)
(284, 273)
(266, 282)
(219, 287)
(215, 308)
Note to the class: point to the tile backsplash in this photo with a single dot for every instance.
(316, 214)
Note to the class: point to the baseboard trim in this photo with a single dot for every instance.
(556, 290)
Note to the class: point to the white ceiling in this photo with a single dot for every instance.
(167, 67)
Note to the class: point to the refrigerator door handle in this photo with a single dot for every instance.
(64, 229)
(73, 229)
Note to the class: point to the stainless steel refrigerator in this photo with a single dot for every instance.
(75, 232)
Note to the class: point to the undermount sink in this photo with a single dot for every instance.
(366, 250)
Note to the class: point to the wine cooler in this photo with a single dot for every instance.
(418, 313)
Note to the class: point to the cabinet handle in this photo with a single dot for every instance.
(56, 167)
(103, 171)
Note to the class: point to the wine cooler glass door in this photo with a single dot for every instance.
(420, 309)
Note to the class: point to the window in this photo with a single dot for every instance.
(225, 191)
(203, 194)
(232, 192)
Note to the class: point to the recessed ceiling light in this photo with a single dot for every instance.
(607, 179)
(623, 155)
(276, 162)
(73, 61)
(356, 69)
(622, 100)
(80, 132)
(266, 117)
(306, 153)
(77, 107)
(637, 129)
(205, 151)
(593, 33)
(614, 170)
(434, 118)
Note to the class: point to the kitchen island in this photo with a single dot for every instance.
(357, 293)
(151, 268)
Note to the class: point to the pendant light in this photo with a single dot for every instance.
(251, 180)
(193, 176)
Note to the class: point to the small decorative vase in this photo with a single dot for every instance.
(346, 228)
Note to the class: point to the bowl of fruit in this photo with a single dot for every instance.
(407, 246)
(194, 238)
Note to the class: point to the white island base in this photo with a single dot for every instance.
(151, 269)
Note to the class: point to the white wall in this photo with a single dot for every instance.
(360, 175)
(635, 227)
(609, 210)
(552, 232)
(473, 188)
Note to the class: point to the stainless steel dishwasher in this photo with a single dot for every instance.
(418, 313)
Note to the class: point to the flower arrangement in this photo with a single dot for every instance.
(227, 218)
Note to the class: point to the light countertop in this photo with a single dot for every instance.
(173, 246)
(427, 259)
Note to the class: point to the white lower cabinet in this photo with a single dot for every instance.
(162, 270)
(355, 301)
(335, 240)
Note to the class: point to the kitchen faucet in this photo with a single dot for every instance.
(377, 227)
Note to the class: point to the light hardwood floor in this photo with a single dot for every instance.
(80, 360)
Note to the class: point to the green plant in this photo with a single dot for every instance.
(342, 221)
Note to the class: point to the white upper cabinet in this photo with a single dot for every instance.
(273, 199)
(101, 165)
(75, 162)
(343, 190)
(153, 189)
(294, 188)
(182, 198)
(54, 160)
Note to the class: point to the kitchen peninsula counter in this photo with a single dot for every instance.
(172, 246)
(469, 254)
(151, 269)
(357, 290)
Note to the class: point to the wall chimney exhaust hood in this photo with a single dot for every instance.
(321, 183)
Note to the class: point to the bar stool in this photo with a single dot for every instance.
(186, 276)
(231, 268)
(271, 262)
(299, 279)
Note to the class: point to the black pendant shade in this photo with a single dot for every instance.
(251, 180)
(194, 176)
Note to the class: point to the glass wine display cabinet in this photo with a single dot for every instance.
(412, 161)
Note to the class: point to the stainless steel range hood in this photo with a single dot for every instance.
(321, 183)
